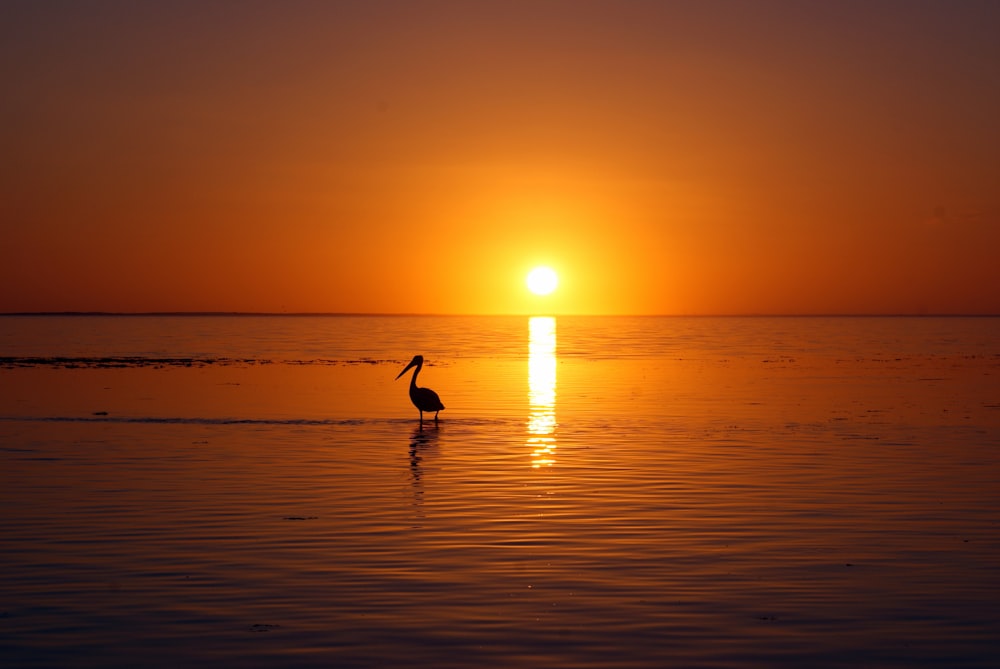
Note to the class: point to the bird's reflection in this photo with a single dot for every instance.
(542, 390)
(422, 443)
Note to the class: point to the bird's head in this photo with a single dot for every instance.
(418, 361)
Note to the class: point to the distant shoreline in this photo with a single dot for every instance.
(321, 314)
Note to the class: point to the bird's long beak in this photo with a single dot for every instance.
(405, 369)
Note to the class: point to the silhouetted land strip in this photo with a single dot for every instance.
(122, 362)
(377, 314)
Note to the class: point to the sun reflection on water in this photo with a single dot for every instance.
(542, 390)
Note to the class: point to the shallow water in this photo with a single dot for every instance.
(599, 492)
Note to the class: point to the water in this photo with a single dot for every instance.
(599, 492)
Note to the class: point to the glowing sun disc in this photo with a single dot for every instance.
(542, 280)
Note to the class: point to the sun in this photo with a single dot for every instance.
(542, 280)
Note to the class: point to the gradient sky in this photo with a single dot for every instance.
(420, 157)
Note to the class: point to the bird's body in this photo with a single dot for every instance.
(424, 399)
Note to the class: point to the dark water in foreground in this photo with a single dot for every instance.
(649, 492)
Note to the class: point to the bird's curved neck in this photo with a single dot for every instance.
(413, 379)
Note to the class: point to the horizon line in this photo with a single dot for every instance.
(480, 315)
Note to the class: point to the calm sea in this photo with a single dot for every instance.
(599, 492)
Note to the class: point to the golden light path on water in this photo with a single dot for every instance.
(542, 390)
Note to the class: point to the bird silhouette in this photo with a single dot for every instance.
(424, 399)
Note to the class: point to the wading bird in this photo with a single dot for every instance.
(424, 399)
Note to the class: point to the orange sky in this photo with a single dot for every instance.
(420, 157)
